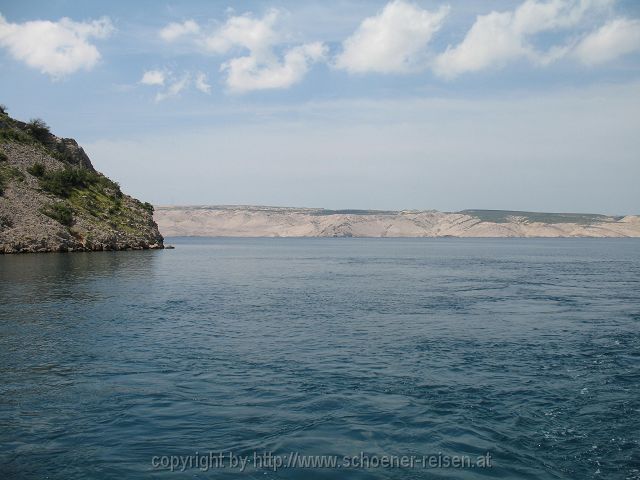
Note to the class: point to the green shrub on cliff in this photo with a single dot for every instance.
(60, 213)
(3, 157)
(8, 173)
(13, 135)
(5, 222)
(37, 170)
(39, 130)
(62, 182)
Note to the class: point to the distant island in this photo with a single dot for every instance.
(53, 200)
(257, 221)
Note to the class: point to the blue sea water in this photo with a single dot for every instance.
(526, 349)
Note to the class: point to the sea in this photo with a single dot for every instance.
(323, 358)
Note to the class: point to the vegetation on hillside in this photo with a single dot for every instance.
(324, 211)
(506, 216)
(39, 130)
(63, 181)
(13, 135)
(37, 170)
(59, 212)
(8, 173)
(36, 132)
(86, 191)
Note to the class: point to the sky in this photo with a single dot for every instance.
(422, 104)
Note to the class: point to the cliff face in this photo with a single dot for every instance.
(248, 221)
(53, 200)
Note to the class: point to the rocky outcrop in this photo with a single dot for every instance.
(74, 154)
(251, 221)
(53, 200)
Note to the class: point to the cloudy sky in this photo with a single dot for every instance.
(527, 105)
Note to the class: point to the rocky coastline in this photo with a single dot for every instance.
(53, 200)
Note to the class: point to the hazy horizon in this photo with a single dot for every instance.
(344, 209)
(505, 105)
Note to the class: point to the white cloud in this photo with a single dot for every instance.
(175, 84)
(392, 41)
(201, 83)
(153, 77)
(255, 34)
(490, 41)
(250, 73)
(500, 37)
(175, 88)
(174, 30)
(261, 68)
(616, 38)
(258, 55)
(55, 48)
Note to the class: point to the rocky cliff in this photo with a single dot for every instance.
(53, 200)
(251, 221)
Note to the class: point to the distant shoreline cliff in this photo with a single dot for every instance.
(53, 200)
(256, 221)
